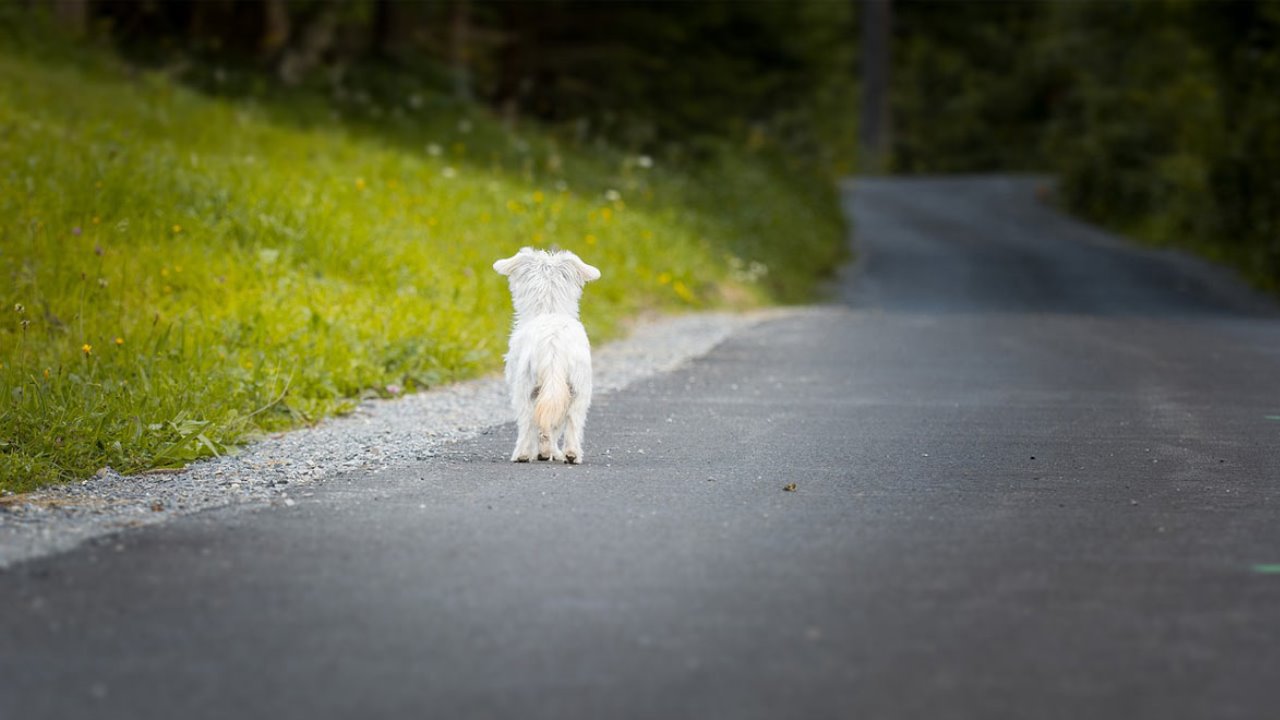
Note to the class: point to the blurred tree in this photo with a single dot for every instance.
(460, 48)
(775, 73)
(73, 14)
(876, 128)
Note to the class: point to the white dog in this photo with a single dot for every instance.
(549, 359)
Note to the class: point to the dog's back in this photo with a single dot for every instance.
(552, 357)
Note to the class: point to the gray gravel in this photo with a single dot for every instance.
(379, 434)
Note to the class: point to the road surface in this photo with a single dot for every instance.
(1037, 475)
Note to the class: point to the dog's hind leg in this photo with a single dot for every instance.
(557, 455)
(573, 428)
(546, 443)
(526, 440)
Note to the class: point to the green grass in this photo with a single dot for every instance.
(180, 272)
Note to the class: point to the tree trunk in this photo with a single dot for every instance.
(380, 32)
(314, 40)
(73, 15)
(875, 133)
(460, 49)
(276, 27)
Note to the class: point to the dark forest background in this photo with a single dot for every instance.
(1160, 118)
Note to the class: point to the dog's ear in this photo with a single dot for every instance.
(505, 266)
(587, 272)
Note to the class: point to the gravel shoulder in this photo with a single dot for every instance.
(378, 435)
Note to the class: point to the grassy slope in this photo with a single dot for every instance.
(179, 272)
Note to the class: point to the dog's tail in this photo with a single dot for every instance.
(552, 406)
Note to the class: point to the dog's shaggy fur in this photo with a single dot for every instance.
(549, 359)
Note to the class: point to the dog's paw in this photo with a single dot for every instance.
(519, 458)
(544, 458)
(572, 458)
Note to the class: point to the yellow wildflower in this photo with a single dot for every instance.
(359, 183)
(177, 228)
(590, 239)
(606, 214)
(119, 341)
(684, 292)
(537, 196)
(664, 278)
(87, 349)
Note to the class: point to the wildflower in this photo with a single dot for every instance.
(612, 195)
(664, 278)
(177, 268)
(102, 282)
(97, 250)
(683, 291)
(449, 172)
(590, 239)
(75, 230)
(394, 389)
(538, 196)
(119, 341)
(96, 219)
(25, 323)
(19, 308)
(87, 349)
(431, 222)
(359, 183)
(606, 214)
(513, 206)
(164, 271)
(177, 229)
(46, 373)
(434, 149)
(644, 161)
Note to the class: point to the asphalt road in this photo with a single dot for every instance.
(1037, 476)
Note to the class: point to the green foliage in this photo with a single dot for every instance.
(967, 96)
(645, 73)
(1159, 118)
(1169, 127)
(179, 272)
